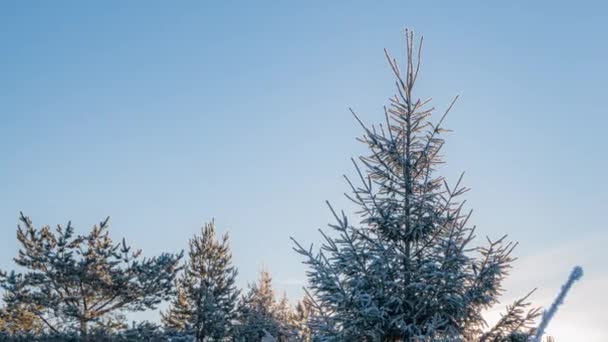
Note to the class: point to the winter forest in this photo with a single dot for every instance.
(408, 266)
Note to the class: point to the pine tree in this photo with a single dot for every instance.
(284, 316)
(257, 311)
(206, 301)
(299, 320)
(407, 270)
(72, 281)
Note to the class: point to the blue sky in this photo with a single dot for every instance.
(166, 116)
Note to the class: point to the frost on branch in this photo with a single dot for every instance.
(575, 275)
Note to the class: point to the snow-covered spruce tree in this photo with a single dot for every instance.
(206, 301)
(259, 313)
(75, 282)
(407, 271)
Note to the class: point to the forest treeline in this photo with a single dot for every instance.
(403, 268)
(79, 287)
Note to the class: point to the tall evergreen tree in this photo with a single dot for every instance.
(206, 301)
(407, 271)
(72, 281)
(258, 311)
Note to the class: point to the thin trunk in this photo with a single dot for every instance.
(84, 330)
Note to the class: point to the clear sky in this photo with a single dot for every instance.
(166, 115)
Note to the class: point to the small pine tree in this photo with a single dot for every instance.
(73, 281)
(284, 313)
(300, 318)
(206, 301)
(257, 311)
(407, 271)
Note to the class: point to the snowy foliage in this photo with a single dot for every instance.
(206, 300)
(261, 315)
(407, 271)
(257, 310)
(143, 331)
(74, 281)
(18, 318)
(300, 320)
